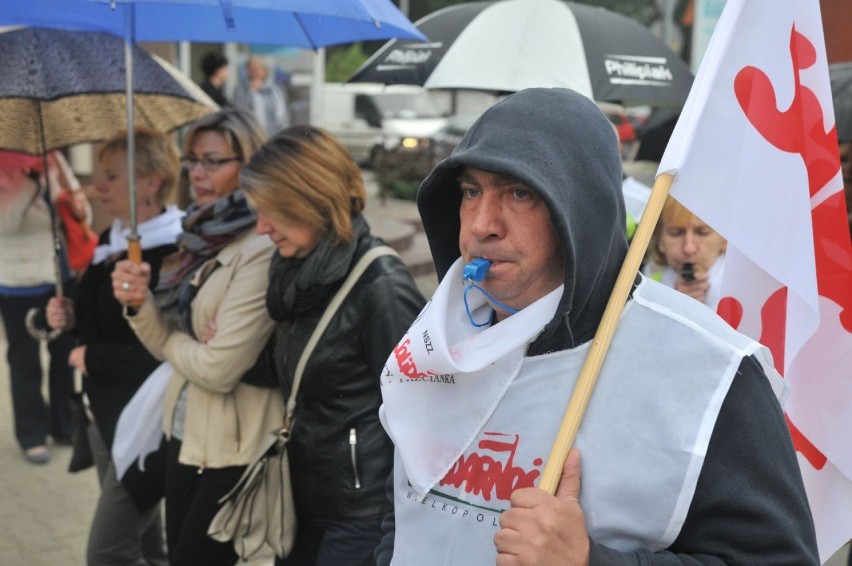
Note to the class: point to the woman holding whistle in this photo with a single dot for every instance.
(687, 254)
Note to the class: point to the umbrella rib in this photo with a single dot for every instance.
(298, 19)
(54, 229)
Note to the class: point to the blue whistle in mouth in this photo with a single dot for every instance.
(474, 272)
(476, 269)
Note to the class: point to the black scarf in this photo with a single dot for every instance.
(297, 286)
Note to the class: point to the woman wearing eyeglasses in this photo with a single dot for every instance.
(209, 321)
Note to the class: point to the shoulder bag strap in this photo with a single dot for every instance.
(329, 313)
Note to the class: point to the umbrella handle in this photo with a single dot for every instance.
(603, 337)
(39, 333)
(134, 249)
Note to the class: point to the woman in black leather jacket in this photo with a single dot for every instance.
(309, 196)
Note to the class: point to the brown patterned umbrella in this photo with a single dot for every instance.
(60, 88)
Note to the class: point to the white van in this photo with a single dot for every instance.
(373, 120)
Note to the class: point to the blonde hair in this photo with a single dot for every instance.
(673, 213)
(303, 175)
(242, 133)
(154, 154)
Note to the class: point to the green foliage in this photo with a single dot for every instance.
(395, 187)
(343, 61)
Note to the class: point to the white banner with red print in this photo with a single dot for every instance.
(444, 357)
(755, 155)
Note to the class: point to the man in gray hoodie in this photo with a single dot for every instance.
(684, 451)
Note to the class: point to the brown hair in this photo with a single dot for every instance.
(242, 132)
(155, 154)
(303, 175)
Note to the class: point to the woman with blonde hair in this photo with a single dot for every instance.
(126, 528)
(209, 322)
(310, 197)
(687, 254)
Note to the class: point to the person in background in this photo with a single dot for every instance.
(27, 281)
(215, 67)
(845, 150)
(687, 254)
(209, 321)
(310, 197)
(683, 456)
(126, 528)
(264, 97)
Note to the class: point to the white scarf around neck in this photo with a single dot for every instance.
(444, 358)
(158, 231)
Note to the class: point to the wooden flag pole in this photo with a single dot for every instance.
(603, 337)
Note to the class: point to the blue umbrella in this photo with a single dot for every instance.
(309, 24)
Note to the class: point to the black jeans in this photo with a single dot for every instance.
(192, 500)
(329, 543)
(34, 419)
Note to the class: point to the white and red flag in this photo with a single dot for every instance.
(755, 156)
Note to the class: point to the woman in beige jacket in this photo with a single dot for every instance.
(208, 319)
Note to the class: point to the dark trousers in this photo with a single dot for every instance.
(120, 534)
(34, 419)
(330, 543)
(192, 499)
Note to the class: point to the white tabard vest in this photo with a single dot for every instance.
(643, 439)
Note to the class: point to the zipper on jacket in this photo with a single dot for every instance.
(353, 445)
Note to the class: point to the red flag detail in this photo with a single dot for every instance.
(773, 318)
(799, 129)
(833, 254)
(731, 311)
(802, 445)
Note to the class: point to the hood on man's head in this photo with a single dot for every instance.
(558, 143)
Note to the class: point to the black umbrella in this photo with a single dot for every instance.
(510, 45)
(841, 92)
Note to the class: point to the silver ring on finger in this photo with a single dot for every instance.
(125, 286)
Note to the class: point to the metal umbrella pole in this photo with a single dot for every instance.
(31, 320)
(134, 246)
